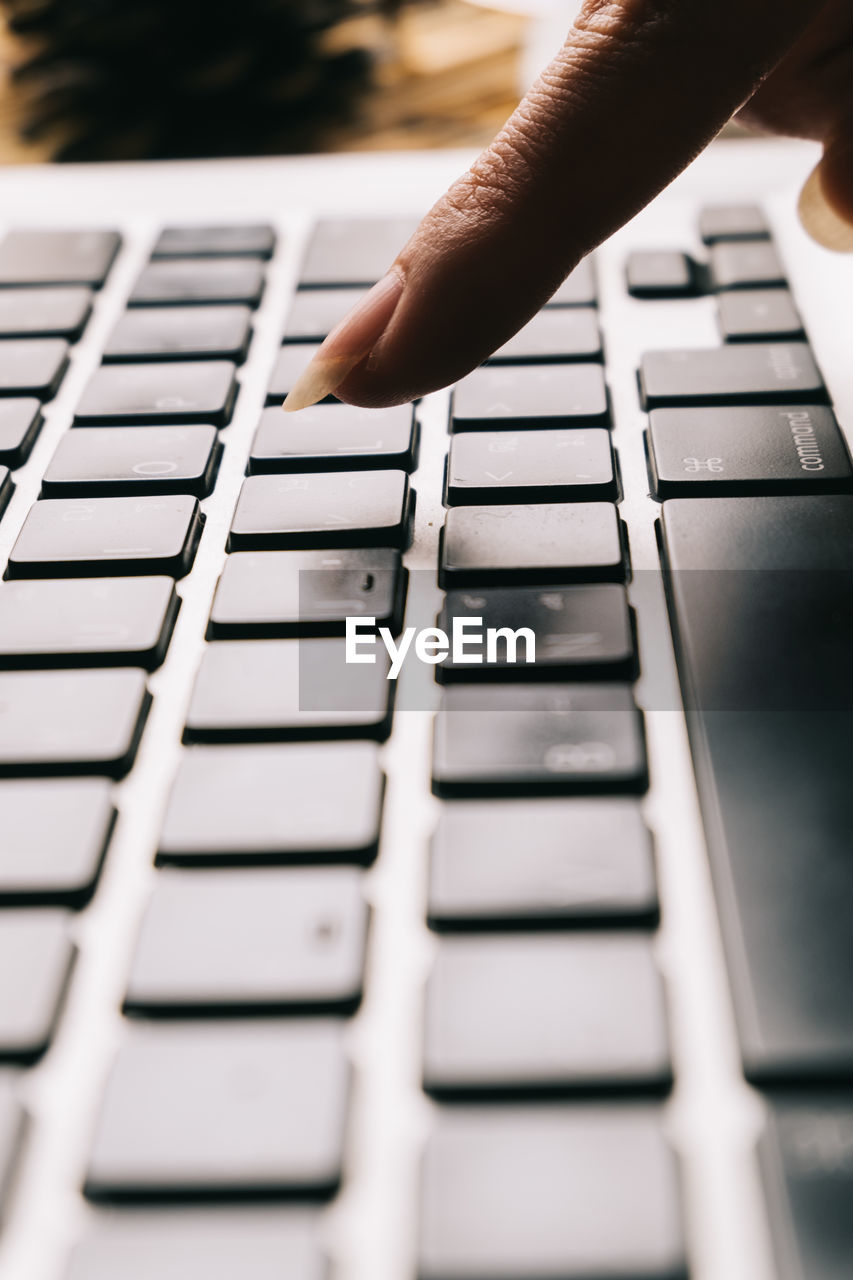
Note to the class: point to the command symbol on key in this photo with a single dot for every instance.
(694, 465)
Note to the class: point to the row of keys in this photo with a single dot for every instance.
(730, 266)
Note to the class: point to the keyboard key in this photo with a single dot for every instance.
(185, 391)
(32, 366)
(546, 1015)
(6, 488)
(20, 423)
(71, 721)
(545, 1192)
(80, 538)
(181, 333)
(112, 461)
(745, 266)
(44, 313)
(651, 273)
(552, 542)
(760, 590)
(230, 1112)
(190, 281)
(530, 466)
(695, 452)
(541, 863)
(353, 251)
(57, 257)
(315, 312)
(808, 1178)
(278, 690)
(531, 395)
(36, 948)
(555, 335)
(55, 836)
(307, 593)
(12, 1125)
(578, 289)
(581, 632)
(83, 622)
(215, 942)
(335, 437)
(732, 222)
(254, 240)
(745, 373)
(289, 364)
(275, 804)
(323, 509)
(758, 315)
(542, 739)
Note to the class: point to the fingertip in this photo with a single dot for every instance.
(826, 207)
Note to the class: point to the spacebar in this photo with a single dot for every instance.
(761, 602)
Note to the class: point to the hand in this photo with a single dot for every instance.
(638, 89)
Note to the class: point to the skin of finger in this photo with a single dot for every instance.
(635, 93)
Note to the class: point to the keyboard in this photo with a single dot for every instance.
(502, 970)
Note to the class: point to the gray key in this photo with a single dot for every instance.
(742, 373)
(290, 362)
(547, 1192)
(114, 461)
(44, 313)
(555, 335)
(531, 395)
(758, 315)
(745, 266)
(241, 942)
(339, 437)
(550, 542)
(353, 251)
(57, 257)
(36, 949)
(308, 593)
(32, 366)
(550, 863)
(322, 509)
(91, 537)
(6, 488)
(230, 1112)
(181, 333)
(578, 289)
(170, 392)
(20, 423)
(732, 222)
(527, 1016)
(274, 804)
(190, 281)
(279, 690)
(654, 273)
(315, 312)
(55, 835)
(530, 466)
(12, 1124)
(71, 721)
(102, 622)
(252, 240)
(526, 739)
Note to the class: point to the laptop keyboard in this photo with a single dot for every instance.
(545, 1042)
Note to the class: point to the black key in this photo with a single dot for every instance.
(530, 466)
(190, 281)
(580, 633)
(254, 240)
(546, 1192)
(32, 366)
(290, 362)
(545, 1015)
(82, 622)
(695, 452)
(36, 949)
(732, 222)
(758, 315)
(307, 593)
(531, 395)
(181, 333)
(760, 591)
(808, 1178)
(176, 392)
(112, 461)
(745, 266)
(255, 805)
(12, 1125)
(279, 690)
(578, 289)
(746, 373)
(224, 1112)
(55, 836)
(552, 542)
(315, 312)
(323, 509)
(651, 273)
(71, 721)
(94, 537)
(335, 437)
(553, 336)
(353, 251)
(44, 313)
(57, 257)
(543, 739)
(541, 863)
(232, 942)
(6, 487)
(20, 423)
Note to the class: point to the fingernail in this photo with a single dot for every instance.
(347, 344)
(820, 219)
